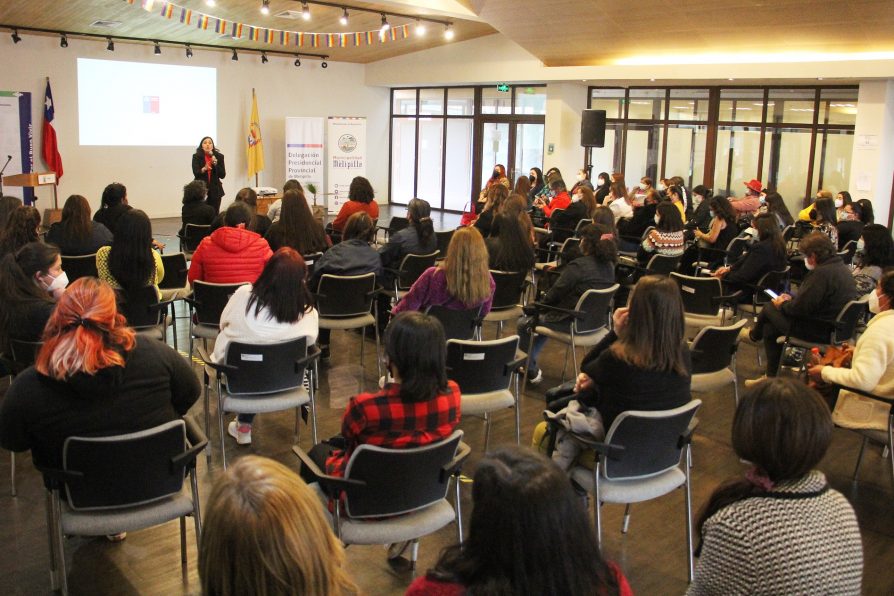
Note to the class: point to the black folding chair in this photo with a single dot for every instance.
(78, 267)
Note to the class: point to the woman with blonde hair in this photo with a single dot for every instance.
(461, 281)
(265, 533)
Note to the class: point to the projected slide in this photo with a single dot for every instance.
(137, 103)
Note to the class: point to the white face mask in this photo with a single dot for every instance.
(643, 186)
(874, 306)
(657, 219)
(60, 282)
(661, 186)
(602, 182)
(711, 213)
(575, 198)
(808, 265)
(581, 177)
(697, 200)
(839, 203)
(861, 245)
(763, 199)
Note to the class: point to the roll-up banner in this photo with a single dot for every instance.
(304, 153)
(346, 158)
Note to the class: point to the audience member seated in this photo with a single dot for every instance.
(643, 218)
(495, 196)
(509, 247)
(352, 256)
(677, 196)
(113, 205)
(259, 223)
(535, 177)
(461, 281)
(850, 223)
(583, 181)
(666, 238)
(130, 263)
(76, 234)
(30, 282)
(360, 198)
(639, 192)
(232, 254)
(273, 211)
(296, 227)
(522, 186)
(417, 406)
(498, 178)
(701, 212)
(276, 309)
(751, 202)
(775, 205)
(515, 206)
(824, 219)
(842, 200)
(871, 369)
(781, 529)
(723, 230)
(805, 213)
(558, 198)
(21, 228)
(765, 255)
(264, 532)
(195, 209)
(825, 290)
(875, 252)
(563, 222)
(418, 238)
(7, 206)
(93, 377)
(603, 187)
(565, 557)
(619, 202)
(867, 213)
(594, 270)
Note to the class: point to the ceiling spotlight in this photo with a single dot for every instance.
(305, 11)
(344, 17)
(157, 49)
(235, 57)
(188, 52)
(385, 25)
(111, 45)
(324, 64)
(420, 28)
(63, 43)
(297, 62)
(210, 2)
(448, 33)
(15, 36)
(265, 7)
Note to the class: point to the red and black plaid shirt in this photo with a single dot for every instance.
(384, 419)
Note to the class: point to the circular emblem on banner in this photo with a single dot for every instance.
(347, 143)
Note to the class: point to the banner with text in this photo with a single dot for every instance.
(17, 140)
(347, 158)
(304, 154)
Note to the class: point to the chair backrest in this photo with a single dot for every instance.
(396, 224)
(175, 271)
(651, 441)
(193, 234)
(412, 267)
(788, 233)
(399, 481)
(77, 267)
(343, 296)
(735, 248)
(662, 264)
(263, 369)
(458, 324)
(508, 288)
(210, 299)
(698, 293)
(124, 470)
(772, 280)
(581, 225)
(310, 260)
(847, 319)
(140, 306)
(443, 237)
(714, 347)
(23, 353)
(846, 256)
(480, 366)
(597, 308)
(569, 251)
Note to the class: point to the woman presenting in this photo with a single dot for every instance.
(208, 166)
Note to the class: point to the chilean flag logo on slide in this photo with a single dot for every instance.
(151, 104)
(50, 148)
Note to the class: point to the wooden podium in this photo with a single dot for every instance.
(35, 179)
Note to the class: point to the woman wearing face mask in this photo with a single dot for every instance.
(30, 281)
(850, 224)
(582, 181)
(535, 177)
(563, 222)
(498, 176)
(208, 166)
(775, 204)
(666, 238)
(872, 366)
(875, 251)
(701, 211)
(842, 200)
(603, 187)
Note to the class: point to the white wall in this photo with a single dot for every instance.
(154, 176)
(874, 164)
(564, 104)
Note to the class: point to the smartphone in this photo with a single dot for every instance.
(771, 294)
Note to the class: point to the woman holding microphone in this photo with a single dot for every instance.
(208, 166)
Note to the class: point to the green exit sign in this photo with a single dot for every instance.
(503, 88)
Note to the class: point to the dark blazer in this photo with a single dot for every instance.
(218, 173)
(636, 226)
(198, 213)
(578, 276)
(99, 236)
(108, 216)
(563, 222)
(847, 231)
(824, 291)
(403, 243)
(754, 264)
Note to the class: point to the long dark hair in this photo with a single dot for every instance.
(76, 224)
(669, 218)
(419, 212)
(783, 428)
(825, 209)
(768, 231)
(868, 216)
(297, 227)
(538, 182)
(17, 283)
(518, 495)
(282, 287)
(598, 242)
(194, 192)
(878, 248)
(21, 228)
(522, 186)
(776, 204)
(7, 206)
(200, 151)
(112, 195)
(723, 209)
(415, 345)
(131, 261)
(509, 245)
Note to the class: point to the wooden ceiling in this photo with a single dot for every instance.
(77, 16)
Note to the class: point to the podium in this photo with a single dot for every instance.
(35, 179)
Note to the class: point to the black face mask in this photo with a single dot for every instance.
(532, 178)
(496, 174)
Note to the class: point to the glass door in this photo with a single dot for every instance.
(513, 142)
(494, 148)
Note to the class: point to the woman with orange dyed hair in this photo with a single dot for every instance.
(93, 376)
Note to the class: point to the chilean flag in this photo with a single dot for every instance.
(50, 149)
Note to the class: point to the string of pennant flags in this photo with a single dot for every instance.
(189, 17)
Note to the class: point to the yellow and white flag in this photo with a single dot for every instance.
(255, 147)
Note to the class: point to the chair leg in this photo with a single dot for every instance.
(362, 341)
(196, 510)
(486, 431)
(208, 421)
(61, 579)
(890, 445)
(220, 426)
(414, 554)
(565, 362)
(12, 473)
(51, 537)
(597, 505)
(183, 541)
(499, 329)
(378, 353)
(517, 412)
(625, 523)
(573, 358)
(860, 457)
(457, 506)
(688, 488)
(174, 324)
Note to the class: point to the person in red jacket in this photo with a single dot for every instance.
(233, 253)
(360, 198)
(561, 199)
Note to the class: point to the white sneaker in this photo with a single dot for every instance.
(536, 379)
(240, 432)
(752, 382)
(745, 335)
